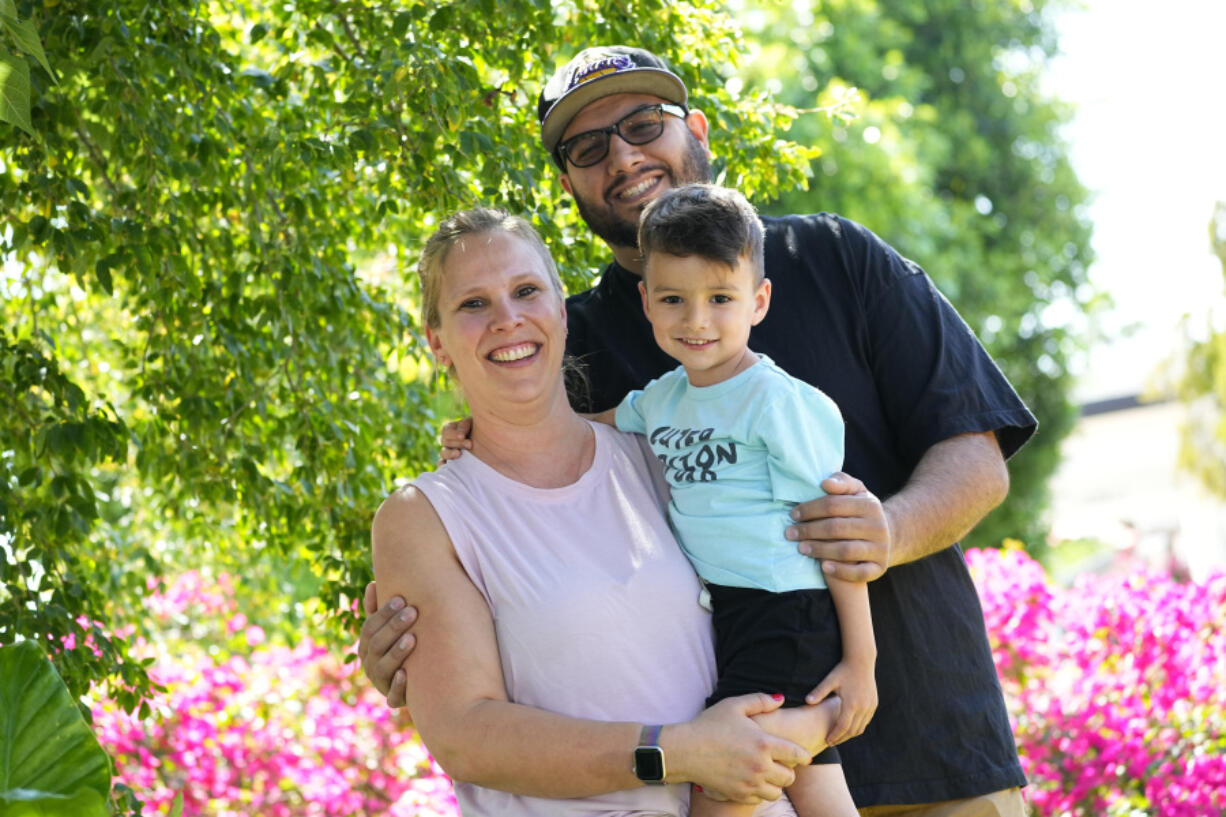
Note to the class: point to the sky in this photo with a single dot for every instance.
(1149, 141)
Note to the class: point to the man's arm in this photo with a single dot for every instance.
(955, 484)
(385, 642)
(857, 537)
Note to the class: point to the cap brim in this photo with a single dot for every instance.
(654, 81)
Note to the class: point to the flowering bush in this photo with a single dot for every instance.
(1117, 686)
(267, 729)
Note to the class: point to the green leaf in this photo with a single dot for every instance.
(52, 763)
(103, 270)
(441, 19)
(258, 32)
(38, 227)
(22, 803)
(15, 91)
(401, 24)
(26, 36)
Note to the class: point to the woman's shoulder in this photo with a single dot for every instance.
(631, 456)
(617, 441)
(453, 480)
(406, 516)
(406, 499)
(616, 448)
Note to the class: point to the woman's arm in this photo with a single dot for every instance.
(456, 692)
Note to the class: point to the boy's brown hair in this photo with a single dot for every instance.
(704, 220)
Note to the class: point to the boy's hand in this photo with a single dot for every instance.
(855, 685)
(454, 438)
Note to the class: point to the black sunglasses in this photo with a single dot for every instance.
(638, 127)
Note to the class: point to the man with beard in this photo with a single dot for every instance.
(930, 420)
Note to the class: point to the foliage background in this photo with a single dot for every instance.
(1199, 380)
(207, 342)
(208, 352)
(957, 160)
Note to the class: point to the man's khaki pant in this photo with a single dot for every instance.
(1006, 803)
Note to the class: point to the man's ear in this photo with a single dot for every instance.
(565, 180)
(697, 122)
(436, 348)
(761, 301)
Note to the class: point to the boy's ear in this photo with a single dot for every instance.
(643, 296)
(761, 301)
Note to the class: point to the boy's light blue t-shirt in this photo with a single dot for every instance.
(737, 456)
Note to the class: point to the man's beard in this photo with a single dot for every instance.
(620, 232)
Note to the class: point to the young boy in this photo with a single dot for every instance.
(741, 443)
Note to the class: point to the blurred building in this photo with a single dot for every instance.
(1119, 483)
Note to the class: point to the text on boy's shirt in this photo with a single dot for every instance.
(695, 465)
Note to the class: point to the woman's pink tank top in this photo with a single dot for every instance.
(595, 607)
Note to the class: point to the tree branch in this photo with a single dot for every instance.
(98, 158)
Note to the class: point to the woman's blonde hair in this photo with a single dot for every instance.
(465, 223)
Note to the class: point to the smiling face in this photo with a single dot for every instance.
(501, 321)
(612, 193)
(701, 312)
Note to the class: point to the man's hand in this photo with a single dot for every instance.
(847, 530)
(455, 438)
(856, 688)
(384, 643)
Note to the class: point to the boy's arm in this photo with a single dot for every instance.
(803, 434)
(455, 435)
(853, 678)
(608, 417)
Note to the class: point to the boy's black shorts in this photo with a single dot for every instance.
(774, 643)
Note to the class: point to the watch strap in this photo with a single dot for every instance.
(649, 765)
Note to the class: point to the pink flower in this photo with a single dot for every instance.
(277, 731)
(1117, 686)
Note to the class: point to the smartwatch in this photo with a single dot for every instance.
(649, 757)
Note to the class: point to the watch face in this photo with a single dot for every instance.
(649, 764)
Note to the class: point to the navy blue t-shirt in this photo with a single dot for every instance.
(851, 316)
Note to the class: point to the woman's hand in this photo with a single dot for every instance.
(728, 755)
(856, 687)
(454, 438)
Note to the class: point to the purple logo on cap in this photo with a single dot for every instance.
(602, 66)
